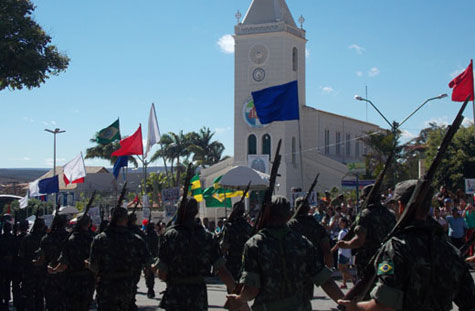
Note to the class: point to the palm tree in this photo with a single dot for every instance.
(174, 147)
(105, 152)
(205, 151)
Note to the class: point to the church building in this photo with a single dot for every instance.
(270, 51)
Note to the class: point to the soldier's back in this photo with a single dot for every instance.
(235, 235)
(424, 271)
(280, 262)
(309, 228)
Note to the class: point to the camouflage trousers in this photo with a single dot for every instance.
(32, 291)
(54, 292)
(115, 294)
(233, 264)
(149, 278)
(189, 297)
(79, 292)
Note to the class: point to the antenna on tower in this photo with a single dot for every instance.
(301, 21)
(238, 17)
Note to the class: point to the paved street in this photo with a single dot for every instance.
(217, 294)
(217, 297)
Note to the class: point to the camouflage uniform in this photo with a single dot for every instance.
(17, 273)
(307, 226)
(135, 229)
(376, 221)
(115, 256)
(236, 232)
(79, 285)
(185, 250)
(32, 285)
(49, 251)
(280, 262)
(151, 239)
(417, 269)
(7, 255)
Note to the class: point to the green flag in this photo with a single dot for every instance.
(221, 193)
(109, 134)
(195, 188)
(209, 194)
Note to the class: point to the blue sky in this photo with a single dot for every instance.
(127, 54)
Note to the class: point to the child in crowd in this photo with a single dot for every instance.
(344, 255)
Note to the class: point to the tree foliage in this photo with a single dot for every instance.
(105, 152)
(27, 57)
(459, 160)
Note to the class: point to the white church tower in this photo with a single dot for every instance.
(269, 51)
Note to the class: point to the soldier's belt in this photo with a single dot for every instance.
(283, 304)
(192, 280)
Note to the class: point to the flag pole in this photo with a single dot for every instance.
(300, 152)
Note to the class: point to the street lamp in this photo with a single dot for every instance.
(357, 97)
(54, 132)
(428, 100)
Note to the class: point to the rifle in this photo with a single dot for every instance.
(263, 215)
(88, 206)
(181, 211)
(373, 195)
(122, 195)
(241, 201)
(418, 198)
(297, 211)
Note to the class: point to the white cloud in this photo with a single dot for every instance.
(439, 121)
(467, 122)
(406, 135)
(307, 53)
(358, 49)
(28, 119)
(26, 158)
(359, 73)
(222, 130)
(373, 72)
(327, 89)
(53, 122)
(49, 161)
(226, 44)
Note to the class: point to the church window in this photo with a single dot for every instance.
(327, 141)
(252, 144)
(338, 143)
(348, 145)
(357, 149)
(295, 59)
(266, 144)
(294, 151)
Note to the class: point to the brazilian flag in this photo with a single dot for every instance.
(221, 193)
(109, 134)
(209, 194)
(195, 188)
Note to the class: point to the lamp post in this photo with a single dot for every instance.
(54, 132)
(395, 126)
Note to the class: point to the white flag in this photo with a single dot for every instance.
(24, 201)
(74, 171)
(34, 189)
(153, 131)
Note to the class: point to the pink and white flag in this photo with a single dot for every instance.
(74, 171)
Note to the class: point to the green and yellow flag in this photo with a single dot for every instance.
(211, 201)
(221, 193)
(195, 188)
(109, 134)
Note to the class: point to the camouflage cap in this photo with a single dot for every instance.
(403, 191)
(118, 213)
(280, 206)
(366, 190)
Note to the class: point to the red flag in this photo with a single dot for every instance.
(463, 85)
(131, 145)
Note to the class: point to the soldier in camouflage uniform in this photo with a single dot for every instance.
(307, 226)
(7, 255)
(135, 229)
(236, 232)
(371, 227)
(417, 269)
(48, 254)
(18, 267)
(185, 250)
(115, 255)
(79, 281)
(32, 285)
(278, 263)
(151, 239)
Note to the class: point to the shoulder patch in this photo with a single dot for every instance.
(385, 268)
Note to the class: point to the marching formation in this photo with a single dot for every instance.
(270, 257)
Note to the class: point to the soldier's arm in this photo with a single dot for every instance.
(227, 278)
(93, 262)
(371, 305)
(465, 296)
(325, 248)
(356, 242)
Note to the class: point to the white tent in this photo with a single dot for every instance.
(239, 177)
(63, 210)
